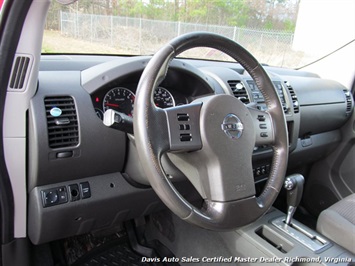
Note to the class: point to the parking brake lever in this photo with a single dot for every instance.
(294, 186)
(119, 121)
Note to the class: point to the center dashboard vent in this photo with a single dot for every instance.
(239, 90)
(295, 103)
(62, 122)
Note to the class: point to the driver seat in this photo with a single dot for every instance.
(338, 223)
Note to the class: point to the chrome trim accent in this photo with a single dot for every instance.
(302, 234)
(232, 126)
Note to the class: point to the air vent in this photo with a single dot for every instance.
(62, 122)
(295, 103)
(19, 73)
(239, 90)
(349, 103)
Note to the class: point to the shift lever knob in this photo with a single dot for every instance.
(294, 186)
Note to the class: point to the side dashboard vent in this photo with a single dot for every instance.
(19, 73)
(62, 122)
(239, 90)
(349, 102)
(295, 103)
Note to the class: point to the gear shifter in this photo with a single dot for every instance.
(295, 230)
(294, 186)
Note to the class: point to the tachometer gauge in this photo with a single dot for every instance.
(163, 98)
(119, 99)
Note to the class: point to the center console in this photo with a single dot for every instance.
(285, 241)
(283, 244)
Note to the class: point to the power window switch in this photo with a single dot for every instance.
(85, 190)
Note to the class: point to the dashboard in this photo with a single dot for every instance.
(76, 164)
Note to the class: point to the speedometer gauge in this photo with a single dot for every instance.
(119, 99)
(163, 98)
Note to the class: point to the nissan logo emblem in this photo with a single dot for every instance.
(232, 126)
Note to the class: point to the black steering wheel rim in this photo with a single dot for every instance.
(149, 132)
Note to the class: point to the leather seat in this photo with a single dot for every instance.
(338, 223)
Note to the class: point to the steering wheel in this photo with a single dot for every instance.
(211, 140)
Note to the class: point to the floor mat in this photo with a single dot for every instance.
(108, 250)
(114, 253)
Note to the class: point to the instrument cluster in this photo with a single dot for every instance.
(121, 99)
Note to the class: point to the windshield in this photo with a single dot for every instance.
(287, 33)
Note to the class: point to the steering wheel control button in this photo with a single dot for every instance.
(184, 127)
(264, 134)
(183, 117)
(261, 118)
(185, 137)
(232, 126)
(263, 126)
(54, 196)
(74, 192)
(85, 190)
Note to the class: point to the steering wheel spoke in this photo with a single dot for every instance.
(264, 131)
(184, 127)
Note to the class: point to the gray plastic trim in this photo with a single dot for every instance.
(112, 201)
(99, 75)
(99, 145)
(16, 106)
(322, 91)
(322, 118)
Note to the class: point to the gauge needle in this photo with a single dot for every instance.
(112, 104)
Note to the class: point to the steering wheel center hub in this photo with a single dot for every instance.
(232, 126)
